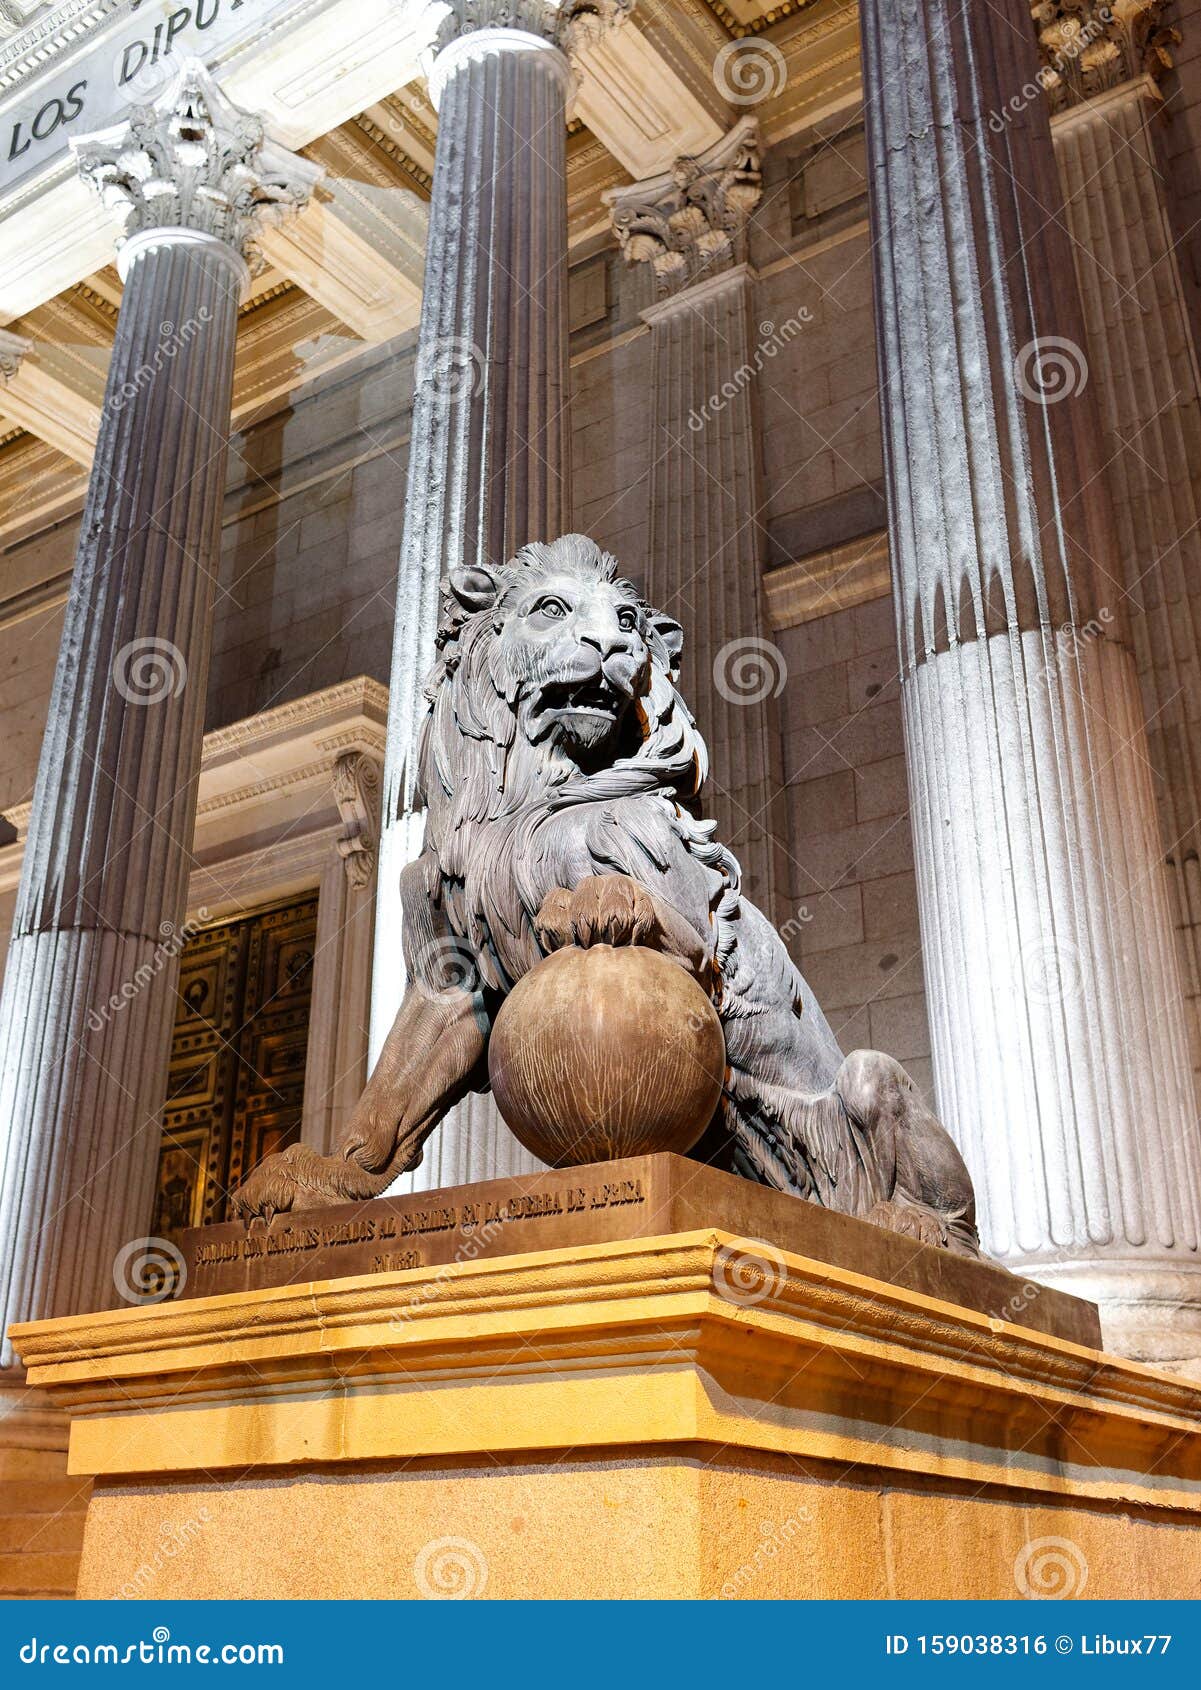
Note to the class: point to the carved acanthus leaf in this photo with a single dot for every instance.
(193, 160)
(692, 219)
(1090, 46)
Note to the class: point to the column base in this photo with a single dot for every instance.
(690, 1415)
(1150, 1311)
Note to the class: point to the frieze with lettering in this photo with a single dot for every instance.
(130, 66)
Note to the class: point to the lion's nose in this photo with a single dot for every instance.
(608, 641)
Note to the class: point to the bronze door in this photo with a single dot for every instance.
(236, 1083)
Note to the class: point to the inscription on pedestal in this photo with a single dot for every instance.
(640, 1197)
(390, 1235)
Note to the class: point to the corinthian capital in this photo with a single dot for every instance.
(195, 161)
(693, 218)
(1090, 46)
(572, 25)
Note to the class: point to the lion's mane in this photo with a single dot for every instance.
(492, 798)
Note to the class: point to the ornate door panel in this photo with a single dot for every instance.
(236, 1081)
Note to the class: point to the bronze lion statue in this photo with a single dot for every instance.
(560, 770)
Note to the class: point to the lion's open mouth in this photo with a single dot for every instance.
(594, 697)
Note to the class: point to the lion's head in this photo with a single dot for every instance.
(555, 687)
(554, 670)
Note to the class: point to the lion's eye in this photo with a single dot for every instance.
(554, 608)
(627, 619)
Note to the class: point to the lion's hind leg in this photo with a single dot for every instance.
(867, 1146)
(925, 1188)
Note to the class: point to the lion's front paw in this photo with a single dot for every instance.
(270, 1189)
(604, 909)
(911, 1220)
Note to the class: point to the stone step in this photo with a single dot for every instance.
(22, 1575)
(42, 1534)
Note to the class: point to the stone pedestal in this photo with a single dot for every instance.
(693, 1414)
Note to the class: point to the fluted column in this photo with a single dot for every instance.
(489, 446)
(1143, 364)
(88, 1001)
(706, 543)
(1054, 997)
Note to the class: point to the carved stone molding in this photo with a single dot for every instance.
(195, 161)
(694, 217)
(13, 347)
(1090, 46)
(356, 783)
